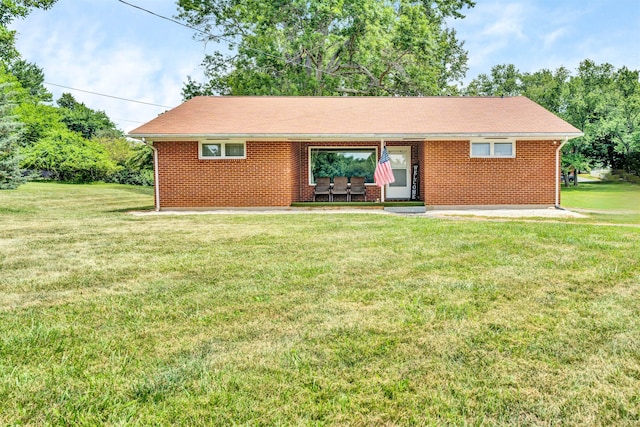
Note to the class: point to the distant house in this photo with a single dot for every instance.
(214, 152)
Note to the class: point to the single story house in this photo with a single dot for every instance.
(222, 152)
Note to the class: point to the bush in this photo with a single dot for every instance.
(132, 177)
(629, 177)
(69, 157)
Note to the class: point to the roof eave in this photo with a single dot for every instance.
(370, 136)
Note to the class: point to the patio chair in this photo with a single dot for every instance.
(340, 187)
(357, 187)
(323, 188)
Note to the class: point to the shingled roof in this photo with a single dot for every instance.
(376, 117)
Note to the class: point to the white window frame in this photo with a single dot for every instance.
(337, 147)
(491, 143)
(223, 143)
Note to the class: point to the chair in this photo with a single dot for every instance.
(340, 187)
(357, 187)
(323, 187)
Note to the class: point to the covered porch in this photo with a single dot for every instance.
(340, 163)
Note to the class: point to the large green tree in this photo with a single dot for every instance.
(10, 174)
(504, 80)
(616, 127)
(31, 78)
(80, 118)
(329, 47)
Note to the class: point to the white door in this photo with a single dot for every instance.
(401, 165)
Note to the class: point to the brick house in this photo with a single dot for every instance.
(216, 152)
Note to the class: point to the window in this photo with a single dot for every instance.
(221, 150)
(493, 149)
(480, 149)
(342, 161)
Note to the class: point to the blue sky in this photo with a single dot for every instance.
(108, 47)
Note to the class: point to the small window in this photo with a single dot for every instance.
(211, 150)
(480, 149)
(502, 149)
(493, 149)
(234, 150)
(222, 150)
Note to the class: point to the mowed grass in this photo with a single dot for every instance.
(310, 319)
(617, 202)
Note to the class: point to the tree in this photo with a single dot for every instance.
(572, 162)
(620, 122)
(505, 80)
(329, 47)
(80, 118)
(39, 121)
(547, 88)
(10, 174)
(67, 156)
(10, 10)
(31, 78)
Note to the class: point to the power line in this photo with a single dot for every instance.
(216, 38)
(172, 20)
(107, 96)
(129, 121)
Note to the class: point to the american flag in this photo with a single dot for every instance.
(383, 174)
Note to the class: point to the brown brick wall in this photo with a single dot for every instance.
(451, 177)
(276, 174)
(267, 177)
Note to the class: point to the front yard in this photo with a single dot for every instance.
(310, 319)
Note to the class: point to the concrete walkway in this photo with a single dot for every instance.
(489, 213)
(507, 213)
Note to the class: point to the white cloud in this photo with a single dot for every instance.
(83, 53)
(549, 39)
(550, 34)
(506, 20)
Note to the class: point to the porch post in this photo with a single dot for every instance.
(381, 188)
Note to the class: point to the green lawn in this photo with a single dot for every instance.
(615, 202)
(602, 196)
(310, 319)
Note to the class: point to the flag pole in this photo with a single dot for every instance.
(381, 188)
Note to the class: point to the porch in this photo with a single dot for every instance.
(351, 160)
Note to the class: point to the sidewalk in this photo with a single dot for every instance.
(496, 213)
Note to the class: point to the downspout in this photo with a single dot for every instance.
(557, 204)
(156, 182)
(381, 188)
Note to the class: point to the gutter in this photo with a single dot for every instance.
(557, 204)
(156, 182)
(356, 136)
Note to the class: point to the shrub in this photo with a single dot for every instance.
(69, 157)
(132, 177)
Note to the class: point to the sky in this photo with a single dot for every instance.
(110, 48)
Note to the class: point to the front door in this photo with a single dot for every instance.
(401, 165)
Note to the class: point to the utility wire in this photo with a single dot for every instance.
(216, 38)
(108, 96)
(129, 121)
(173, 20)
